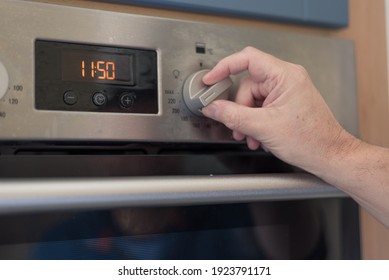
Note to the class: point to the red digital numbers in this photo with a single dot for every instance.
(102, 70)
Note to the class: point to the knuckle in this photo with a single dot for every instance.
(233, 120)
(300, 71)
(250, 50)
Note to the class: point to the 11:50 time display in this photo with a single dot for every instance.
(98, 67)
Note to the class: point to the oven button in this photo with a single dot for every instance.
(127, 100)
(70, 97)
(197, 94)
(3, 80)
(99, 99)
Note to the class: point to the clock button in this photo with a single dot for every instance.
(99, 99)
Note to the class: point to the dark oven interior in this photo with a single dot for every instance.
(299, 229)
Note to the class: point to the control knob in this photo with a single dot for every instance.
(198, 95)
(3, 80)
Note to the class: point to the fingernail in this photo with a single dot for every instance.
(205, 78)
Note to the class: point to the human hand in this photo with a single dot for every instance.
(277, 106)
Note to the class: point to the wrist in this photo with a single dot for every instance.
(336, 156)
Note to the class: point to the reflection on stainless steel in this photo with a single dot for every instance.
(44, 194)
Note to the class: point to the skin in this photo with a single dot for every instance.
(278, 107)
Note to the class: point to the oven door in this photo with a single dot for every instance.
(106, 203)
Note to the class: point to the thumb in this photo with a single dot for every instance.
(246, 120)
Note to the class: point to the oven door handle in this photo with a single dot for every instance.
(20, 195)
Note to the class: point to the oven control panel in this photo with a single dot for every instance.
(80, 74)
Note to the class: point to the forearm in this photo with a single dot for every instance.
(362, 171)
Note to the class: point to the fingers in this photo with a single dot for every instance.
(244, 121)
(258, 63)
(250, 93)
(246, 118)
(252, 143)
(238, 136)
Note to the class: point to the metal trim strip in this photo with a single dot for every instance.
(21, 195)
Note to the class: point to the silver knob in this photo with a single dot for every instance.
(198, 95)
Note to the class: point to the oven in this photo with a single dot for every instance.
(104, 153)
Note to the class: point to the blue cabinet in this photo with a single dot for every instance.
(328, 13)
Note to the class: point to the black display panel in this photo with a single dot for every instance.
(93, 78)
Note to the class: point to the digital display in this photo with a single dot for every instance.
(99, 67)
(95, 78)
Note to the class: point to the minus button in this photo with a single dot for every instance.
(70, 97)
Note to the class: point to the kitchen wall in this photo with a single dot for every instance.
(367, 29)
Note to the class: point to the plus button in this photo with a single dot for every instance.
(127, 100)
